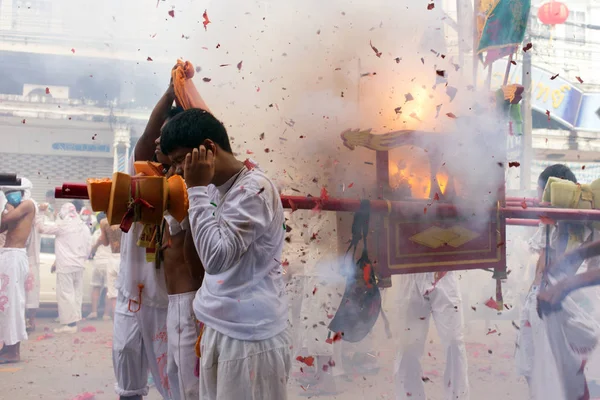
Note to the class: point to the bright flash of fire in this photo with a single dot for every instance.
(411, 171)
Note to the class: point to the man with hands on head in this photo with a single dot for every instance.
(237, 229)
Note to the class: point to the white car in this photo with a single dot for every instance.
(48, 279)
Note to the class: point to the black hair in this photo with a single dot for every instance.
(190, 129)
(557, 171)
(78, 203)
(173, 111)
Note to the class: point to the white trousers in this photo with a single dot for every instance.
(112, 273)
(69, 296)
(418, 300)
(32, 286)
(139, 345)
(182, 331)
(13, 272)
(244, 370)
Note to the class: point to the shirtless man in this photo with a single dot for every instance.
(183, 328)
(109, 236)
(17, 220)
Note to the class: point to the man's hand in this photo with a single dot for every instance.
(199, 167)
(551, 297)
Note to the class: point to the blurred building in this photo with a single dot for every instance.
(75, 91)
(565, 95)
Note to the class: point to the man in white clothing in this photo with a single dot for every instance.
(73, 244)
(420, 297)
(237, 229)
(17, 218)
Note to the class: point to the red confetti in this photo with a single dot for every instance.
(408, 97)
(499, 245)
(430, 6)
(350, 185)
(330, 316)
(425, 210)
(23, 121)
(450, 115)
(206, 79)
(149, 59)
(310, 360)
(527, 47)
(548, 114)
(73, 51)
(491, 303)
(88, 328)
(331, 363)
(513, 62)
(514, 164)
(293, 205)
(325, 367)
(206, 20)
(172, 13)
(579, 79)
(47, 90)
(377, 52)
(324, 194)
(267, 150)
(524, 205)
(547, 220)
(583, 167)
(491, 332)
(553, 77)
(44, 337)
(249, 152)
(314, 290)
(436, 196)
(239, 65)
(337, 336)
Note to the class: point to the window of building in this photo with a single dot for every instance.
(575, 27)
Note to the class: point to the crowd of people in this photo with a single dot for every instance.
(212, 317)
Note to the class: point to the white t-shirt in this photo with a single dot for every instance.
(239, 238)
(135, 271)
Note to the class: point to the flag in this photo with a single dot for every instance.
(501, 26)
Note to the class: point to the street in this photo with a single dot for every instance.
(78, 366)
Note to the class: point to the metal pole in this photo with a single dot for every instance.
(527, 141)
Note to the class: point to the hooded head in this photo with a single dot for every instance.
(68, 212)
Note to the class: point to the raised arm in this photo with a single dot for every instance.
(16, 214)
(144, 149)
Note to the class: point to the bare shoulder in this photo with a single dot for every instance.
(28, 205)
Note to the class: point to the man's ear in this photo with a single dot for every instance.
(210, 145)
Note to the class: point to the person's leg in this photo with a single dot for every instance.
(129, 358)
(182, 331)
(250, 370)
(32, 294)
(95, 301)
(13, 272)
(153, 325)
(416, 309)
(78, 290)
(446, 305)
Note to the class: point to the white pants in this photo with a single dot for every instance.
(244, 370)
(13, 272)
(69, 295)
(416, 296)
(32, 287)
(112, 272)
(139, 345)
(526, 345)
(182, 331)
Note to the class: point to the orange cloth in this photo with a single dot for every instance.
(186, 94)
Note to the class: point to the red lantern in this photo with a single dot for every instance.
(553, 13)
